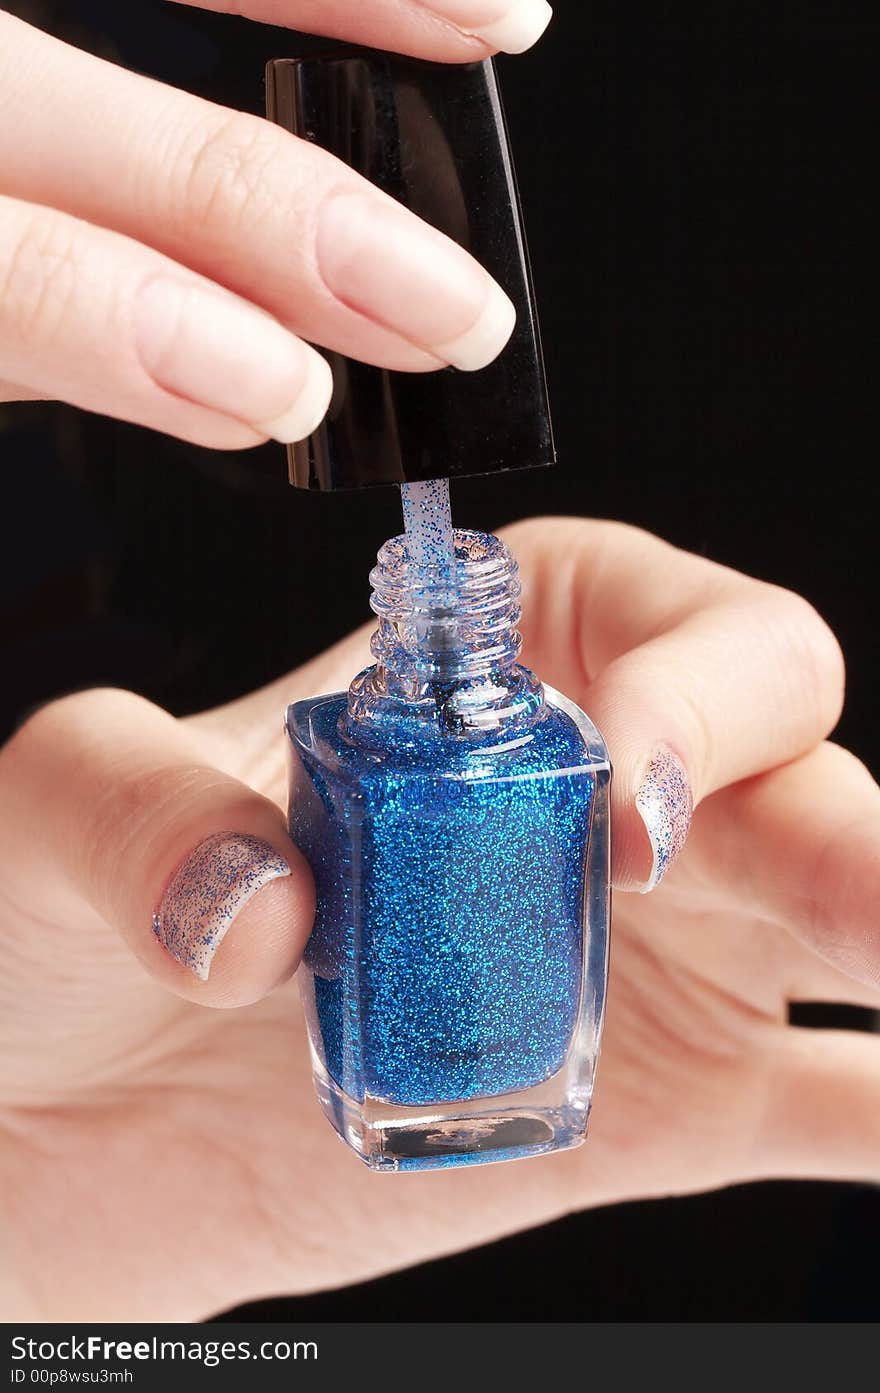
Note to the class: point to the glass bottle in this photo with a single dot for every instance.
(455, 815)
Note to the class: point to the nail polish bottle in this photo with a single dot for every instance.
(454, 810)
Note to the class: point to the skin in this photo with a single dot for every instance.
(161, 1152)
(122, 185)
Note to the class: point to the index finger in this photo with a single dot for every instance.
(448, 31)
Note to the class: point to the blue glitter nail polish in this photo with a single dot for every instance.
(455, 815)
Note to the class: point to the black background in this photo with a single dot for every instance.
(700, 191)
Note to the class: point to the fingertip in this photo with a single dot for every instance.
(502, 26)
(264, 946)
(310, 407)
(487, 337)
(233, 921)
(399, 273)
(519, 29)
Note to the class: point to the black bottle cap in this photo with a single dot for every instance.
(432, 136)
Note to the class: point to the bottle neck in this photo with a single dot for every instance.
(447, 643)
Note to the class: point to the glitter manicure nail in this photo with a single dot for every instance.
(665, 805)
(206, 893)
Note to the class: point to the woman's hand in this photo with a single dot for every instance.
(163, 259)
(163, 1160)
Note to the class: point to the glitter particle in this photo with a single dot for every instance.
(447, 951)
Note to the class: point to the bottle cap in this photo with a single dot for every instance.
(433, 136)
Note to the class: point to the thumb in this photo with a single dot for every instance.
(110, 805)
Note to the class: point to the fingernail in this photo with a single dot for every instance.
(398, 271)
(206, 893)
(509, 26)
(222, 353)
(665, 805)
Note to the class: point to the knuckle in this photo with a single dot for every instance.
(38, 277)
(37, 736)
(87, 734)
(848, 765)
(224, 164)
(44, 722)
(79, 714)
(813, 653)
